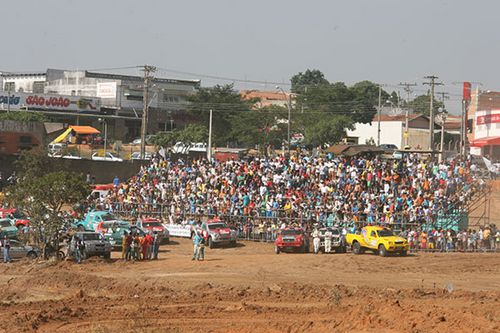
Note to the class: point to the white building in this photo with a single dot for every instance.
(392, 131)
(119, 99)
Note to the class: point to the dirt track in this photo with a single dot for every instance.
(250, 289)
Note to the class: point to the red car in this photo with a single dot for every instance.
(152, 225)
(291, 240)
(18, 217)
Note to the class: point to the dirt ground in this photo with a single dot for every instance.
(251, 289)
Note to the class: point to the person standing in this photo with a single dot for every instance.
(316, 240)
(328, 241)
(6, 249)
(197, 239)
(79, 250)
(125, 245)
(156, 245)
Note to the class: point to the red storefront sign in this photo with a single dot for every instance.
(488, 119)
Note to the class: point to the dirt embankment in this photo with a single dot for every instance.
(250, 289)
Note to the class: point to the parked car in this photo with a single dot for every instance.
(291, 240)
(337, 243)
(108, 157)
(218, 233)
(149, 140)
(8, 228)
(71, 156)
(93, 218)
(56, 149)
(95, 245)
(388, 147)
(137, 156)
(186, 148)
(20, 220)
(152, 225)
(18, 250)
(113, 231)
(377, 239)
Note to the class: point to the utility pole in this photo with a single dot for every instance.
(145, 111)
(408, 91)
(209, 148)
(379, 113)
(432, 83)
(8, 97)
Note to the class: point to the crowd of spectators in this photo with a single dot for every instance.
(334, 190)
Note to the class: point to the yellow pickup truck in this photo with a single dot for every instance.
(377, 239)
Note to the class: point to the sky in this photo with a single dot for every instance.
(385, 41)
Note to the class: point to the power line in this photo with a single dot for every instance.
(432, 83)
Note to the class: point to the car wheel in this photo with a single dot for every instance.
(32, 255)
(60, 255)
(404, 253)
(356, 248)
(107, 255)
(382, 251)
(210, 243)
(276, 250)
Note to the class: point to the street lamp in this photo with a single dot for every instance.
(289, 106)
(102, 120)
(442, 115)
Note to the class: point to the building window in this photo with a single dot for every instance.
(38, 87)
(10, 86)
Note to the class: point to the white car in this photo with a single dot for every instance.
(149, 139)
(109, 157)
(71, 156)
(137, 156)
(183, 148)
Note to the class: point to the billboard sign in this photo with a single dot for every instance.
(488, 119)
(106, 90)
(49, 102)
(467, 92)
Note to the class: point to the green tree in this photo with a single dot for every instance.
(227, 104)
(327, 130)
(262, 127)
(23, 116)
(421, 104)
(43, 194)
(190, 133)
(302, 82)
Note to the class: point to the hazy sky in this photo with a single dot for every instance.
(386, 41)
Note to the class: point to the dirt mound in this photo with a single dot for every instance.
(250, 289)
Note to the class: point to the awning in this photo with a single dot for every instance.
(488, 141)
(84, 130)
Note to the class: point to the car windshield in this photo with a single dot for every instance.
(107, 217)
(214, 226)
(5, 223)
(385, 233)
(291, 232)
(91, 237)
(17, 215)
(115, 224)
(151, 224)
